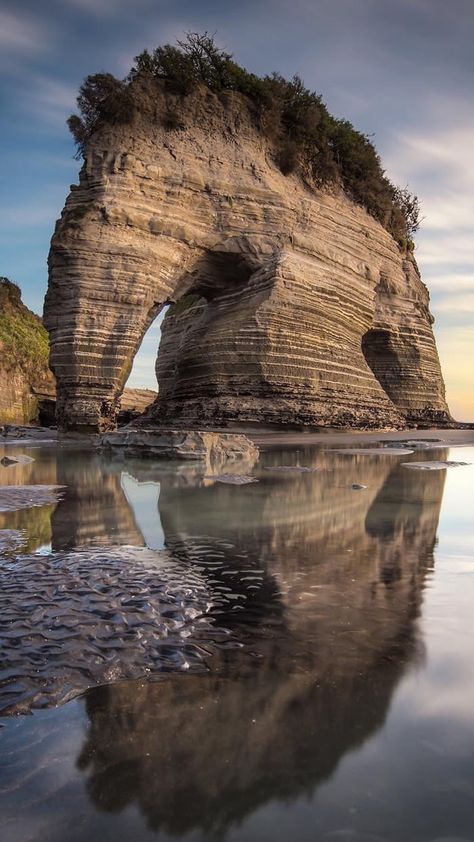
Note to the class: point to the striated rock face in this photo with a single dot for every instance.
(25, 378)
(302, 310)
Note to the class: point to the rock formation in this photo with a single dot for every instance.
(291, 305)
(25, 378)
(212, 449)
(133, 403)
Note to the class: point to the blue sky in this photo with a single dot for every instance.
(401, 70)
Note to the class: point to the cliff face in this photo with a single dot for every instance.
(304, 310)
(24, 374)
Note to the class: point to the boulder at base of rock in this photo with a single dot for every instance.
(196, 445)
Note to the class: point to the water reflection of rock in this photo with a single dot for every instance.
(34, 524)
(335, 554)
(94, 510)
(312, 681)
(201, 753)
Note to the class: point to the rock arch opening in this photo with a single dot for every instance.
(175, 353)
(380, 350)
(407, 369)
(142, 374)
(198, 354)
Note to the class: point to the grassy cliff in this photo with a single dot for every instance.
(24, 351)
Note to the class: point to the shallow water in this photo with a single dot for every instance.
(289, 659)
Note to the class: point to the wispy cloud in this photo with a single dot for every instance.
(37, 213)
(450, 281)
(19, 33)
(95, 7)
(49, 99)
(457, 303)
(439, 166)
(449, 249)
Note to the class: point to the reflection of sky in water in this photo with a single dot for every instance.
(456, 526)
(143, 499)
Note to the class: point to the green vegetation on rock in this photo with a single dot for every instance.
(24, 341)
(305, 137)
(184, 303)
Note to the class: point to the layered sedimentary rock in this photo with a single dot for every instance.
(303, 309)
(25, 378)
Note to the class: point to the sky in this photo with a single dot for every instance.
(400, 70)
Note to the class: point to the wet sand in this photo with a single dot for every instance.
(439, 437)
(271, 437)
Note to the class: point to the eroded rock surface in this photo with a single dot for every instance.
(194, 445)
(293, 305)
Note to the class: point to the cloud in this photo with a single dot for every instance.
(48, 99)
(439, 158)
(457, 303)
(20, 33)
(446, 249)
(447, 282)
(39, 212)
(96, 7)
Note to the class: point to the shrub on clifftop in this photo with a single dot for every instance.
(307, 139)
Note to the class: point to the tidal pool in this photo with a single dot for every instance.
(288, 659)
